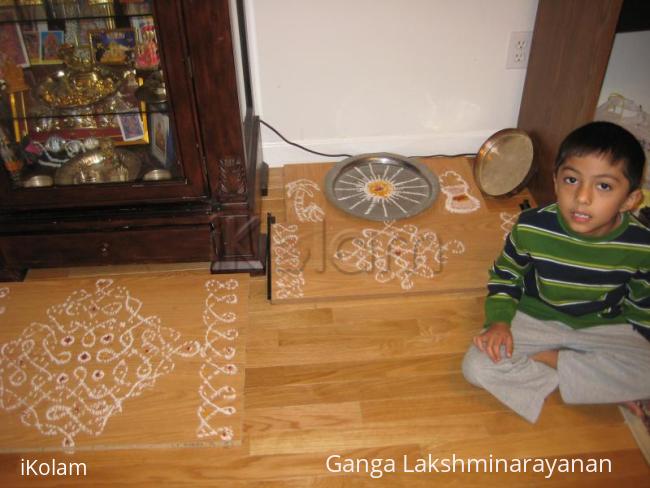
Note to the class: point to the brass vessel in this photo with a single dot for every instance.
(104, 165)
(79, 84)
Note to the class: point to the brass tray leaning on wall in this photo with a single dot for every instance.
(504, 163)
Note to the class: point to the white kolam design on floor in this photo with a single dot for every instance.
(97, 349)
(218, 353)
(289, 279)
(508, 220)
(456, 190)
(300, 192)
(397, 253)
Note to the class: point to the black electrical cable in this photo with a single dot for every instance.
(303, 147)
(266, 124)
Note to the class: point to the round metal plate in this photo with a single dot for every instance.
(504, 163)
(381, 186)
(93, 167)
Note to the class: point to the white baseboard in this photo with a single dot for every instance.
(277, 153)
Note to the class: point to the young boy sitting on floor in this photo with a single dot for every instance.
(568, 300)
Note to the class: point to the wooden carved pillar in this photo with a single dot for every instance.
(230, 142)
(215, 86)
(232, 180)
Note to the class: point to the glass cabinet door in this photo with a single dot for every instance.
(84, 103)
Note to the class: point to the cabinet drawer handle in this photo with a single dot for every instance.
(104, 248)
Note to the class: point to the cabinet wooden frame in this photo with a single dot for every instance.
(220, 154)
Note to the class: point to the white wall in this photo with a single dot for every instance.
(408, 76)
(628, 71)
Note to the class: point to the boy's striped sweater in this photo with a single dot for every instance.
(551, 273)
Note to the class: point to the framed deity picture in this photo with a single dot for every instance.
(13, 47)
(160, 138)
(116, 46)
(48, 46)
(32, 45)
(131, 127)
(146, 49)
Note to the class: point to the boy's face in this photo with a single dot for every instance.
(592, 193)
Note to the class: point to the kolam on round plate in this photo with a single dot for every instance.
(381, 186)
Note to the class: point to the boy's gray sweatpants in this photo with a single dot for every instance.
(602, 364)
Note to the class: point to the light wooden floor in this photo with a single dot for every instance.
(364, 379)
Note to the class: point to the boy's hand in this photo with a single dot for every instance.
(491, 340)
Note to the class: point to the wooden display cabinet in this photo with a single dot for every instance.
(201, 133)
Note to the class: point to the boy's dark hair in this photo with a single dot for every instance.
(606, 139)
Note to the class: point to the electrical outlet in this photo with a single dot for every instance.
(519, 50)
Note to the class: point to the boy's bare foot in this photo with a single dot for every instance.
(549, 358)
(634, 407)
(640, 408)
